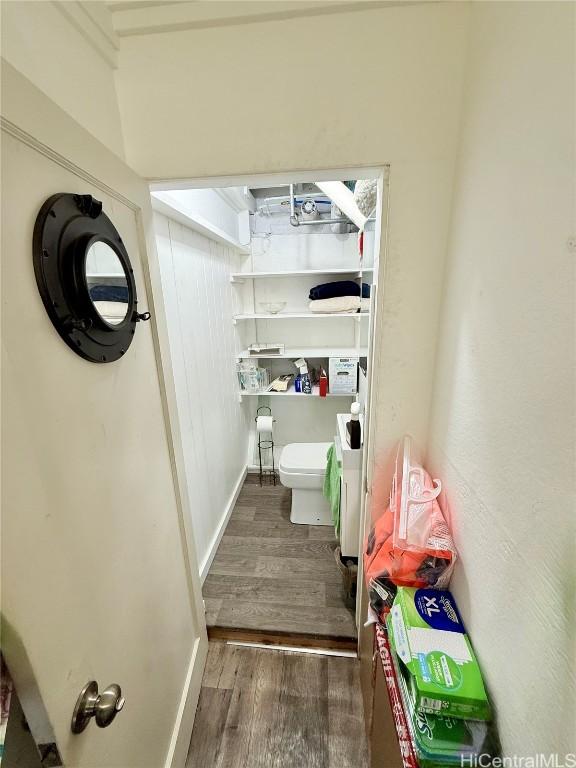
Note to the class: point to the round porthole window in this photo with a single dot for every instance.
(107, 283)
(85, 278)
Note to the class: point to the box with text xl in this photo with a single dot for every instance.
(442, 673)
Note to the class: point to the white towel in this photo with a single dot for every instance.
(112, 311)
(340, 305)
(366, 195)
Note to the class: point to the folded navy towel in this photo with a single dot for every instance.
(103, 292)
(339, 288)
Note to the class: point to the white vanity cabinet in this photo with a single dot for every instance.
(351, 463)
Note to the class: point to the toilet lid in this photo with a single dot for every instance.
(304, 458)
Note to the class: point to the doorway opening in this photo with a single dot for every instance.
(269, 286)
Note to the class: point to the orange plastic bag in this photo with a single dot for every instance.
(410, 544)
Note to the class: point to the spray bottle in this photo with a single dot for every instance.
(304, 375)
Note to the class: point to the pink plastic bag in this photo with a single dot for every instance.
(410, 544)
(419, 524)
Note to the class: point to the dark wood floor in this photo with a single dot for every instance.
(262, 708)
(272, 576)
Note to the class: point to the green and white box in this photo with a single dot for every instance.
(428, 636)
(343, 375)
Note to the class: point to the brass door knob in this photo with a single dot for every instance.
(102, 707)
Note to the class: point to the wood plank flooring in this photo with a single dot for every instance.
(270, 576)
(262, 708)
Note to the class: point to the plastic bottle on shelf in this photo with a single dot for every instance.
(323, 384)
(353, 428)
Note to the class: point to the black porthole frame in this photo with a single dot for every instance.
(66, 226)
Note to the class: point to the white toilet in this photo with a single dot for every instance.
(302, 468)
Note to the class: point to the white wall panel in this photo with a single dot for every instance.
(305, 249)
(200, 303)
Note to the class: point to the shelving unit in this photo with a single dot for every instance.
(257, 281)
(291, 393)
(239, 277)
(297, 315)
(307, 353)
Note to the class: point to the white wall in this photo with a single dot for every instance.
(68, 50)
(386, 87)
(502, 433)
(207, 206)
(200, 302)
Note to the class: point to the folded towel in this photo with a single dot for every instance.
(112, 311)
(104, 292)
(332, 486)
(340, 304)
(337, 304)
(339, 288)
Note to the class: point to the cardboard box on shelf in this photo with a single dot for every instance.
(343, 375)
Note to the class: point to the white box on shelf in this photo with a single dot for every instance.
(266, 349)
(343, 375)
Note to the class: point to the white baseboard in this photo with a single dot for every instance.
(254, 469)
(182, 731)
(207, 561)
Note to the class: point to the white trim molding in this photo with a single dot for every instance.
(26, 138)
(87, 20)
(148, 18)
(182, 732)
(207, 561)
(238, 198)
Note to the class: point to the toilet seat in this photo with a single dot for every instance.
(304, 458)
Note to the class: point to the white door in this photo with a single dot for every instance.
(99, 577)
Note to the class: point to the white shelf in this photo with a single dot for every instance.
(237, 277)
(164, 203)
(104, 275)
(297, 315)
(308, 353)
(291, 393)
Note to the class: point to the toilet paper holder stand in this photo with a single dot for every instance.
(265, 475)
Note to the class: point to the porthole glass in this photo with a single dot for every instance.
(107, 283)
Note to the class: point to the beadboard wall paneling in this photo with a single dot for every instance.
(200, 302)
